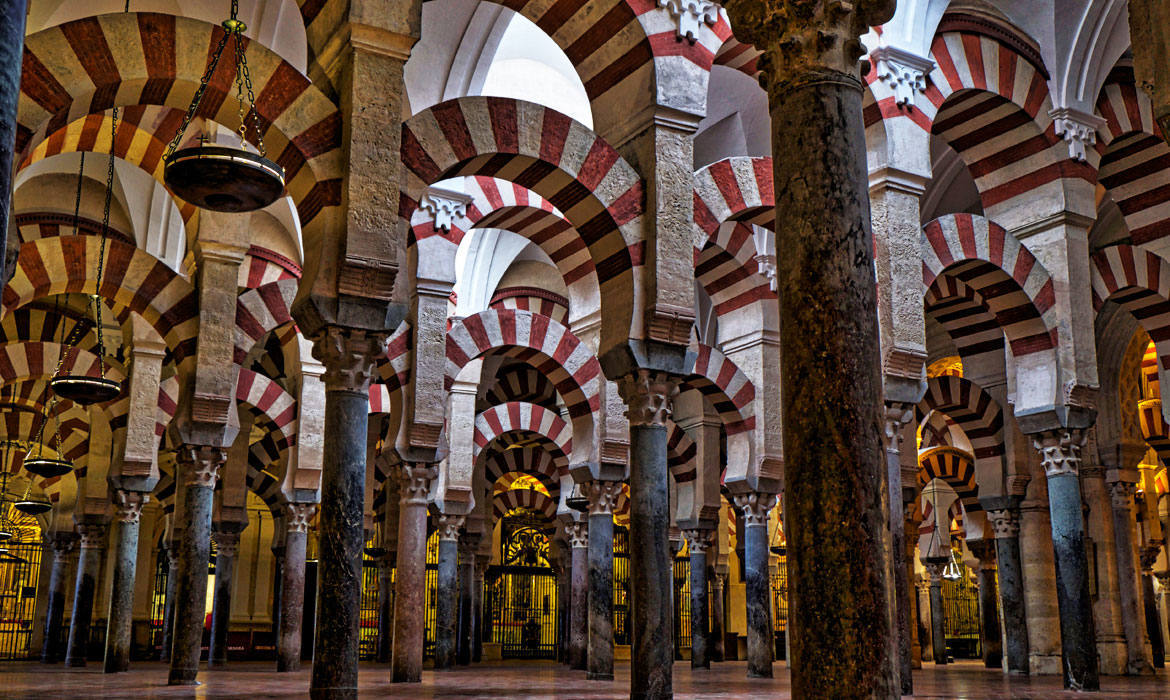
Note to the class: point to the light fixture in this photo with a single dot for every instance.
(32, 505)
(225, 178)
(951, 571)
(7, 530)
(576, 499)
(39, 464)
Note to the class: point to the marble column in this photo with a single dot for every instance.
(89, 562)
(990, 635)
(168, 640)
(1005, 526)
(61, 545)
(698, 541)
(348, 356)
(292, 586)
(119, 620)
(1152, 618)
(577, 534)
(838, 557)
(938, 635)
(277, 578)
(199, 466)
(227, 543)
(1121, 494)
(447, 590)
(718, 617)
(648, 396)
(896, 415)
(12, 30)
(1112, 655)
(481, 565)
(922, 587)
(910, 538)
(602, 497)
(410, 584)
(385, 607)
(760, 649)
(1060, 452)
(466, 624)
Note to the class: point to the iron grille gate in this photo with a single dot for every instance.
(522, 593)
(368, 631)
(780, 605)
(621, 585)
(961, 623)
(430, 595)
(682, 604)
(20, 568)
(158, 600)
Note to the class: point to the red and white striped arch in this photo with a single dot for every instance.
(508, 500)
(259, 311)
(965, 316)
(521, 382)
(534, 299)
(975, 412)
(530, 459)
(263, 266)
(956, 468)
(269, 399)
(680, 454)
(519, 416)
(395, 370)
(729, 390)
(32, 360)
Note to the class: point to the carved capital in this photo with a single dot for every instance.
(717, 582)
(934, 569)
(93, 535)
(755, 506)
(1121, 495)
(690, 15)
(298, 515)
(226, 543)
(904, 73)
(128, 504)
(896, 414)
(415, 482)
(449, 526)
(699, 539)
(1077, 128)
(1005, 523)
(348, 355)
(577, 534)
(766, 267)
(1060, 450)
(648, 396)
(62, 547)
(201, 464)
(602, 496)
(445, 207)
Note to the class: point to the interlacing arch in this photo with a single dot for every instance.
(956, 468)
(519, 416)
(521, 382)
(974, 411)
(259, 311)
(267, 398)
(680, 454)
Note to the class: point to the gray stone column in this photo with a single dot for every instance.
(447, 590)
(910, 538)
(199, 467)
(1060, 452)
(119, 620)
(1112, 654)
(410, 584)
(602, 497)
(577, 533)
(61, 546)
(990, 635)
(385, 607)
(12, 26)
(277, 579)
(89, 562)
(922, 588)
(897, 415)
(938, 635)
(756, 507)
(698, 541)
(1153, 620)
(227, 543)
(292, 586)
(481, 564)
(718, 617)
(648, 396)
(466, 628)
(1005, 525)
(168, 639)
(1121, 495)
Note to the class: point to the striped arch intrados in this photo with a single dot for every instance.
(528, 445)
(260, 311)
(1139, 282)
(953, 466)
(530, 459)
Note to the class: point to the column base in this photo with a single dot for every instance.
(217, 663)
(590, 675)
(183, 676)
(333, 693)
(75, 663)
(760, 674)
(287, 667)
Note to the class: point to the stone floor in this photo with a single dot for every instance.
(257, 681)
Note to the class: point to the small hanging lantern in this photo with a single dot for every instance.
(225, 178)
(41, 465)
(951, 571)
(7, 530)
(32, 505)
(577, 500)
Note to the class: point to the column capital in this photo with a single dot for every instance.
(415, 482)
(602, 496)
(298, 515)
(935, 569)
(93, 535)
(578, 534)
(1060, 450)
(1005, 523)
(699, 539)
(226, 543)
(201, 463)
(128, 504)
(1121, 495)
(1147, 555)
(896, 415)
(648, 395)
(755, 506)
(62, 545)
(348, 355)
(449, 527)
(718, 580)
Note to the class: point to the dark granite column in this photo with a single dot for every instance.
(447, 590)
(910, 528)
(1153, 619)
(168, 639)
(648, 396)
(119, 620)
(896, 415)
(830, 382)
(1121, 494)
(1060, 452)
(199, 466)
(477, 591)
(12, 25)
(89, 563)
(385, 607)
(563, 568)
(698, 541)
(1005, 525)
(578, 536)
(410, 584)
(602, 497)
(227, 543)
(938, 635)
(62, 546)
(718, 615)
(348, 356)
(292, 586)
(922, 586)
(466, 629)
(277, 578)
(991, 637)
(760, 633)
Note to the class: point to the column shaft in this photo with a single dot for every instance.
(1011, 590)
(600, 665)
(88, 565)
(385, 609)
(12, 29)
(168, 640)
(1121, 496)
(292, 588)
(51, 651)
(446, 598)
(1153, 620)
(201, 467)
(119, 621)
(651, 577)
(410, 584)
(477, 610)
(938, 635)
(718, 653)
(990, 634)
(699, 632)
(221, 604)
(1078, 640)
(579, 597)
(466, 625)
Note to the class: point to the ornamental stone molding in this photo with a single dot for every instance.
(449, 527)
(1060, 450)
(577, 534)
(766, 266)
(896, 415)
(903, 72)
(348, 356)
(128, 505)
(699, 539)
(1077, 128)
(226, 543)
(1121, 495)
(691, 15)
(1005, 523)
(415, 479)
(298, 515)
(648, 396)
(602, 496)
(201, 464)
(444, 206)
(755, 506)
(93, 535)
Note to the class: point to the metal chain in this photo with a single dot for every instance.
(174, 144)
(101, 262)
(77, 199)
(243, 68)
